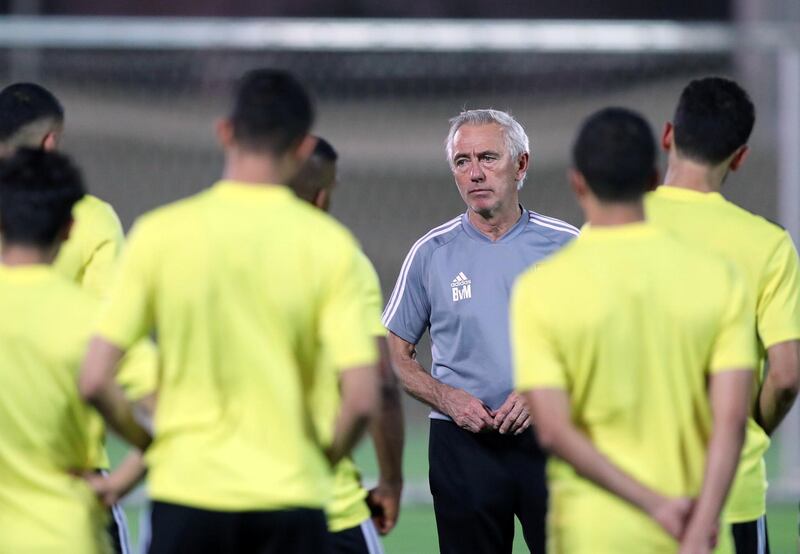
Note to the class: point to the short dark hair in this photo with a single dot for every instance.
(37, 192)
(714, 117)
(314, 175)
(325, 151)
(271, 111)
(616, 152)
(25, 103)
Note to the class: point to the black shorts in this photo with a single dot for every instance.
(361, 539)
(479, 483)
(751, 537)
(180, 529)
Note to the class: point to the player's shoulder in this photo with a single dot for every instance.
(97, 212)
(559, 268)
(754, 223)
(707, 265)
(556, 230)
(327, 231)
(172, 215)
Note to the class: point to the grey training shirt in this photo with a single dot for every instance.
(456, 282)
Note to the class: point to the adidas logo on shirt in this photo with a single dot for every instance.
(461, 287)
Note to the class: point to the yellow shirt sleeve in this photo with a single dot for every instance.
(138, 370)
(735, 346)
(373, 298)
(128, 315)
(89, 256)
(778, 308)
(343, 331)
(100, 269)
(534, 352)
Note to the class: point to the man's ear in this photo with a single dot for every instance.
(739, 157)
(51, 140)
(522, 165)
(667, 137)
(224, 131)
(322, 199)
(578, 183)
(305, 148)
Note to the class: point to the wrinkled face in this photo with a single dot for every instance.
(484, 171)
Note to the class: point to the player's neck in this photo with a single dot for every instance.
(244, 167)
(687, 174)
(496, 224)
(14, 255)
(600, 214)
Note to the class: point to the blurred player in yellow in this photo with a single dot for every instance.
(246, 287)
(47, 325)
(31, 116)
(634, 353)
(707, 139)
(352, 530)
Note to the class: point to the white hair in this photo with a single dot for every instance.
(516, 139)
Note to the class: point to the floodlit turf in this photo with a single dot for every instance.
(416, 532)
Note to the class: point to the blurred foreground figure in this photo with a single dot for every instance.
(246, 288)
(634, 351)
(46, 435)
(352, 529)
(706, 140)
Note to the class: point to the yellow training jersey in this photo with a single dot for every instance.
(89, 256)
(347, 507)
(45, 435)
(765, 256)
(245, 286)
(89, 259)
(630, 322)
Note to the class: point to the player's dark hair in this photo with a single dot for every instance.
(616, 152)
(25, 103)
(325, 151)
(37, 192)
(271, 111)
(714, 117)
(315, 174)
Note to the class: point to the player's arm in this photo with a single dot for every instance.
(118, 483)
(101, 261)
(359, 392)
(99, 388)
(344, 335)
(729, 393)
(732, 360)
(781, 384)
(387, 435)
(556, 433)
(127, 318)
(778, 323)
(467, 411)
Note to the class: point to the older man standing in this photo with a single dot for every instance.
(456, 281)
